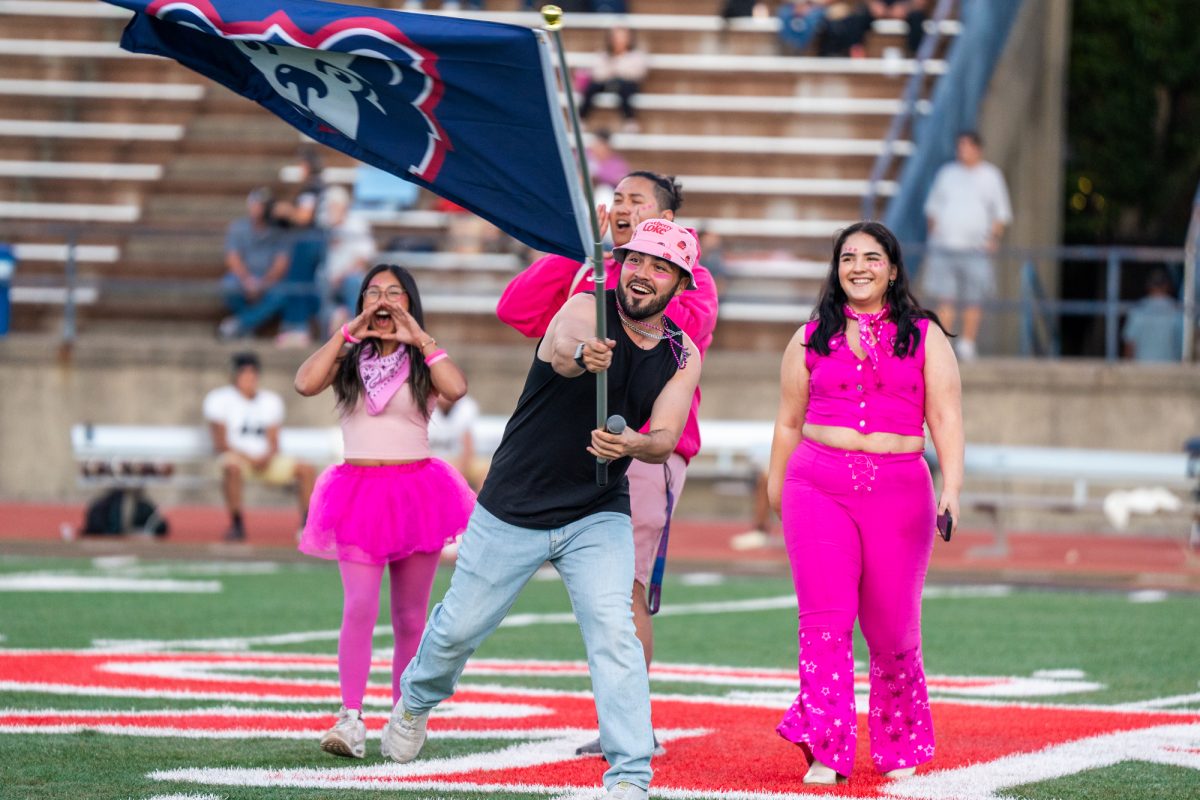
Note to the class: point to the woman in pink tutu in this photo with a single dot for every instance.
(389, 505)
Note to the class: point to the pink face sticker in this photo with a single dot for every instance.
(849, 250)
(875, 264)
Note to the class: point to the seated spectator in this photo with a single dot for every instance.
(712, 250)
(1154, 328)
(245, 421)
(606, 166)
(743, 8)
(450, 438)
(349, 249)
(300, 218)
(257, 258)
(799, 24)
(622, 68)
(913, 12)
(844, 29)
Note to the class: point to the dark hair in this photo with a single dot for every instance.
(973, 135)
(905, 310)
(1159, 279)
(240, 361)
(347, 385)
(667, 191)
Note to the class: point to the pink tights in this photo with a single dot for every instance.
(411, 581)
(859, 530)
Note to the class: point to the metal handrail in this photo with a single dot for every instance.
(912, 93)
(1190, 257)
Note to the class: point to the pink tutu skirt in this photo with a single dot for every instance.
(373, 515)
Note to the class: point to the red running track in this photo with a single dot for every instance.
(1071, 558)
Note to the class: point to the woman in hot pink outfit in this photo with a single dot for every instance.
(858, 384)
(390, 505)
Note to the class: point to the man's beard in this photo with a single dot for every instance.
(653, 305)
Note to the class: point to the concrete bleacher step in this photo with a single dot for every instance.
(71, 212)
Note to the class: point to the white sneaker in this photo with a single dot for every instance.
(902, 772)
(404, 735)
(820, 775)
(624, 790)
(348, 736)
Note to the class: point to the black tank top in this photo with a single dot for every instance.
(542, 475)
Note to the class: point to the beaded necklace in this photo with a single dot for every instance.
(658, 333)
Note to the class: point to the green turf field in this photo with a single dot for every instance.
(1013, 673)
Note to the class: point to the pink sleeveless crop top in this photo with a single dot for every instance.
(845, 391)
(398, 433)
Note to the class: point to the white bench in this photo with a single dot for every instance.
(84, 253)
(80, 170)
(103, 90)
(137, 455)
(692, 184)
(116, 131)
(72, 212)
(725, 64)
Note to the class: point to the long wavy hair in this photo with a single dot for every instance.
(904, 308)
(347, 385)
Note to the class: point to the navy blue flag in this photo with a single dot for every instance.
(461, 107)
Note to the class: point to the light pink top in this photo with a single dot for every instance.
(398, 433)
(845, 391)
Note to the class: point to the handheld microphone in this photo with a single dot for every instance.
(614, 424)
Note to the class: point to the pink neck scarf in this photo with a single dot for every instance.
(382, 376)
(870, 331)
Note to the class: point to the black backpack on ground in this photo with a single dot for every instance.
(119, 511)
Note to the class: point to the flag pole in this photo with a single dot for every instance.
(553, 18)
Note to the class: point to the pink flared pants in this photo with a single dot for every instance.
(859, 529)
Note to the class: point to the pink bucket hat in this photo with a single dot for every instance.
(663, 239)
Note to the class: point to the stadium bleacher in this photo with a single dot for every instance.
(775, 150)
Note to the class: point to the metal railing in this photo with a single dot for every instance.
(908, 108)
(1041, 315)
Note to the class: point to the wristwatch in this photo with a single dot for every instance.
(579, 357)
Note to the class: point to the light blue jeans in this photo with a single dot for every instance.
(594, 556)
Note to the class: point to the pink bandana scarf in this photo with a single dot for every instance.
(382, 376)
(870, 331)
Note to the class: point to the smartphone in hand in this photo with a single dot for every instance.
(945, 525)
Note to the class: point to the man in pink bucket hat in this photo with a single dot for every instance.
(536, 294)
(541, 501)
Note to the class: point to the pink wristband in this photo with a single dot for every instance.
(349, 339)
(435, 356)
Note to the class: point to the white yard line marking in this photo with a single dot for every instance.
(1148, 596)
(512, 621)
(1160, 702)
(56, 582)
(1177, 745)
(187, 797)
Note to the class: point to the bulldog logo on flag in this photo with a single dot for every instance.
(336, 88)
(465, 108)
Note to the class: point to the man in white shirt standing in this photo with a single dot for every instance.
(245, 421)
(967, 211)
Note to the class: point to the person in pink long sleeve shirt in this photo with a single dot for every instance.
(532, 299)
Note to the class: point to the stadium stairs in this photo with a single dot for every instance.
(142, 155)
